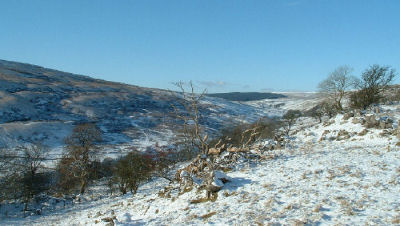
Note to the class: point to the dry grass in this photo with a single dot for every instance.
(317, 208)
(291, 206)
(208, 215)
(227, 194)
(346, 207)
(396, 220)
(205, 199)
(270, 202)
(268, 186)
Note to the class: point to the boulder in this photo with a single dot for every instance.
(348, 115)
(385, 133)
(358, 113)
(371, 122)
(355, 120)
(216, 181)
(342, 135)
(363, 133)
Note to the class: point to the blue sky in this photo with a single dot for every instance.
(223, 46)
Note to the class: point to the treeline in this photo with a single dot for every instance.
(25, 172)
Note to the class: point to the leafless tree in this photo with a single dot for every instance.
(336, 85)
(289, 119)
(81, 150)
(193, 131)
(22, 172)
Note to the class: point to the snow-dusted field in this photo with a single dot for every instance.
(322, 176)
(294, 101)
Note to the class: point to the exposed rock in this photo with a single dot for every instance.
(328, 123)
(355, 120)
(323, 135)
(310, 134)
(358, 113)
(348, 115)
(371, 122)
(326, 132)
(363, 133)
(342, 135)
(385, 125)
(385, 133)
(215, 181)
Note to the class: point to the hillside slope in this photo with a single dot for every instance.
(42, 105)
(344, 171)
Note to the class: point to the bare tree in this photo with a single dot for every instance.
(22, 172)
(193, 132)
(195, 137)
(289, 119)
(81, 150)
(33, 157)
(336, 85)
(373, 82)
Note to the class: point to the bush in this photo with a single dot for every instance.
(22, 173)
(322, 109)
(360, 100)
(289, 119)
(132, 170)
(236, 136)
(374, 81)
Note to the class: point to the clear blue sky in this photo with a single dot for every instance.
(226, 45)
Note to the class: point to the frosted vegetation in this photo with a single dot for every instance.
(81, 151)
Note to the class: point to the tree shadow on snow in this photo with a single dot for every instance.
(236, 182)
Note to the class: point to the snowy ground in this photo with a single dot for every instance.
(295, 101)
(318, 178)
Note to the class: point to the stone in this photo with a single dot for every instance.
(348, 115)
(363, 133)
(342, 135)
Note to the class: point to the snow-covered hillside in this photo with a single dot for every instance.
(294, 100)
(343, 171)
(42, 105)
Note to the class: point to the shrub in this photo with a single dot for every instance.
(360, 100)
(374, 81)
(328, 109)
(289, 119)
(22, 173)
(132, 170)
(236, 136)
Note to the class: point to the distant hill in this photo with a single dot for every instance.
(42, 105)
(246, 96)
